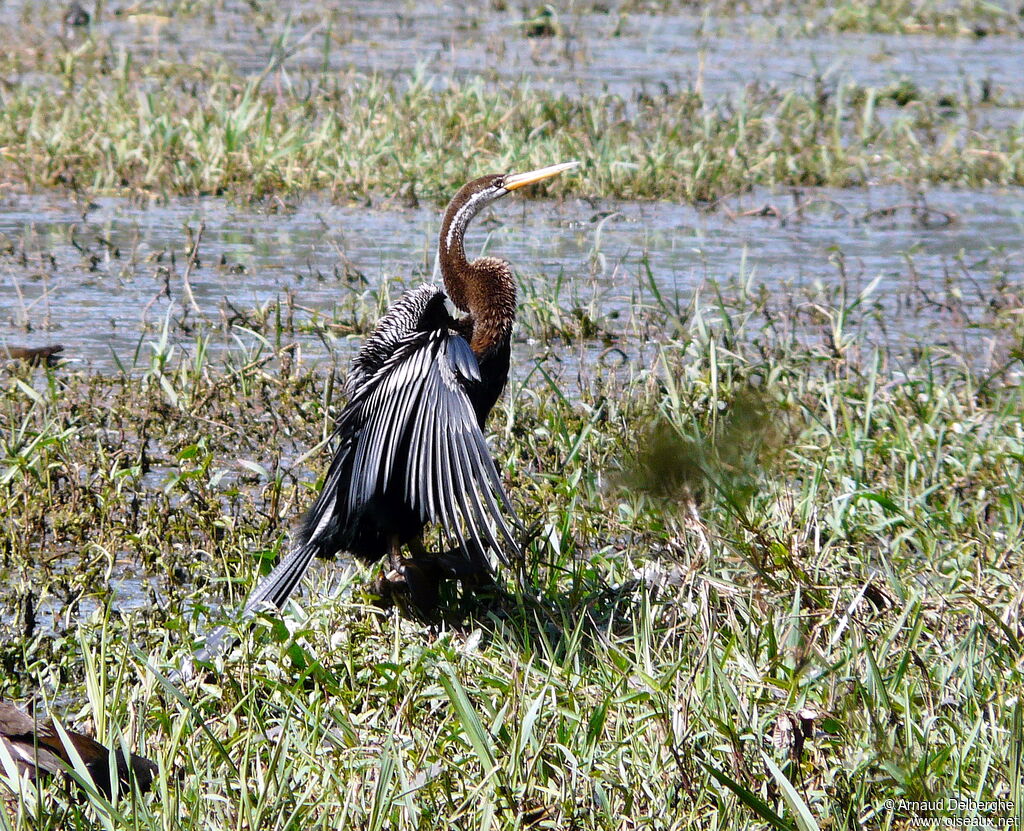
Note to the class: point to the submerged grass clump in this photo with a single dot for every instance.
(819, 615)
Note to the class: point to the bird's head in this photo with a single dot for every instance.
(470, 199)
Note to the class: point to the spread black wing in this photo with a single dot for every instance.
(410, 451)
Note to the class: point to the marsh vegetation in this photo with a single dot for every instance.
(767, 443)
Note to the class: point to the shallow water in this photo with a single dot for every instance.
(598, 50)
(101, 280)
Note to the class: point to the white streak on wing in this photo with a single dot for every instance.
(326, 515)
(463, 359)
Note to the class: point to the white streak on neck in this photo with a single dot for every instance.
(471, 208)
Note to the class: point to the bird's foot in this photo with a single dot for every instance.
(458, 564)
(410, 582)
(415, 582)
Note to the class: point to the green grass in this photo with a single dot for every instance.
(93, 120)
(826, 531)
(774, 573)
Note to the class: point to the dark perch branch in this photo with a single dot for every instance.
(33, 355)
(36, 746)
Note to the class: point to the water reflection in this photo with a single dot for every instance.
(100, 278)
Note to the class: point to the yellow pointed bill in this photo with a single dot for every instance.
(519, 180)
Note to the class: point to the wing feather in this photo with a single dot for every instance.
(420, 480)
(409, 437)
(464, 359)
(468, 485)
(467, 492)
(414, 433)
(408, 395)
(443, 472)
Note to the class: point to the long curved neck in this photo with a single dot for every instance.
(484, 288)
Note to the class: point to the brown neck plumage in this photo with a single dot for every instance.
(484, 288)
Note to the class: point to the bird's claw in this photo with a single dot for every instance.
(417, 579)
(409, 582)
